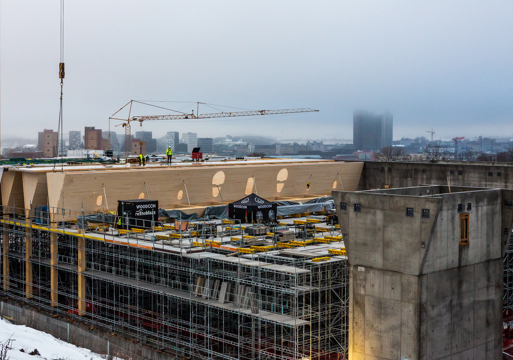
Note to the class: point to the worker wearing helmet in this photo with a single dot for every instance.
(169, 153)
(142, 159)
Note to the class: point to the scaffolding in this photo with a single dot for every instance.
(204, 293)
(508, 277)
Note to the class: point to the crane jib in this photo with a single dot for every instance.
(222, 114)
(127, 122)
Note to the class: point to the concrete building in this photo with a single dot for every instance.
(113, 140)
(285, 149)
(75, 140)
(172, 138)
(147, 137)
(40, 141)
(485, 144)
(182, 149)
(206, 145)
(191, 139)
(93, 139)
(372, 132)
(139, 147)
(50, 143)
(267, 150)
(426, 271)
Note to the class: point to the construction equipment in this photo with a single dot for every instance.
(432, 133)
(184, 116)
(60, 131)
(196, 155)
(456, 140)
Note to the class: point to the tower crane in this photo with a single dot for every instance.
(432, 133)
(456, 141)
(126, 123)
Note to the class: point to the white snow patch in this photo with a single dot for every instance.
(48, 346)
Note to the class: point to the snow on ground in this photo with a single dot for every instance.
(48, 346)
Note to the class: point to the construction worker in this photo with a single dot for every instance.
(142, 159)
(169, 153)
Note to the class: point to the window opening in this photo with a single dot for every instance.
(464, 229)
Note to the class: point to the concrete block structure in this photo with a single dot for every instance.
(426, 271)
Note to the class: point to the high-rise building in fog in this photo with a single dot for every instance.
(113, 139)
(40, 140)
(372, 132)
(172, 139)
(191, 139)
(75, 140)
(147, 136)
(206, 145)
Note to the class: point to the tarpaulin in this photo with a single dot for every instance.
(305, 208)
(82, 221)
(216, 212)
(179, 215)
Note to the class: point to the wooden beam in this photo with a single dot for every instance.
(12, 191)
(167, 184)
(35, 190)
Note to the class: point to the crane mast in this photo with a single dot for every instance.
(185, 116)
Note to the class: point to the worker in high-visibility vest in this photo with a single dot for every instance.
(169, 153)
(142, 159)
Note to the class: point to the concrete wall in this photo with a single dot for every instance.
(376, 175)
(453, 314)
(461, 312)
(415, 292)
(81, 335)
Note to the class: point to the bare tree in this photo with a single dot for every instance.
(398, 151)
(485, 157)
(435, 152)
(6, 345)
(386, 153)
(390, 153)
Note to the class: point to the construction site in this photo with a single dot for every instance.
(245, 254)
(265, 258)
(187, 284)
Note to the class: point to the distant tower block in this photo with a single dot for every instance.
(426, 271)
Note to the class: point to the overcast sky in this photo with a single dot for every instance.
(446, 65)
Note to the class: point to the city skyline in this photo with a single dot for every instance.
(435, 68)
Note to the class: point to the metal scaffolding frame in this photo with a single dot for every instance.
(508, 276)
(192, 300)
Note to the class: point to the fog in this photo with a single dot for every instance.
(433, 64)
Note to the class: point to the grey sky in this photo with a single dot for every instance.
(445, 65)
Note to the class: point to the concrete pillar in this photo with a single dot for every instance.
(53, 263)
(5, 252)
(420, 286)
(28, 260)
(81, 277)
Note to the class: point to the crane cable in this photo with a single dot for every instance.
(60, 144)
